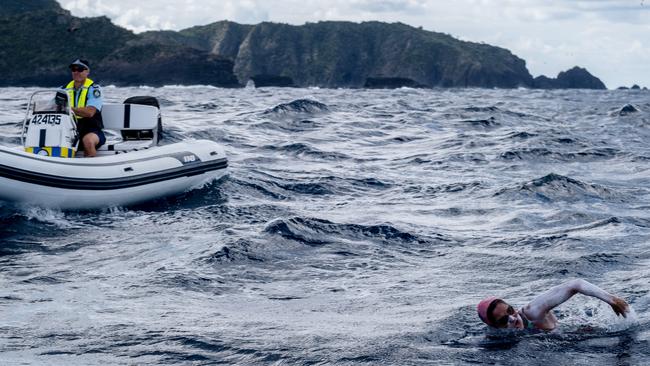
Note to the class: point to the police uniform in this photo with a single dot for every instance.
(88, 95)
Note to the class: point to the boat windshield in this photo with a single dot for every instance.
(50, 102)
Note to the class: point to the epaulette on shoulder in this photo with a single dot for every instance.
(97, 92)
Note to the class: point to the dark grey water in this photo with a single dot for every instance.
(360, 227)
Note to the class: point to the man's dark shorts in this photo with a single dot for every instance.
(96, 131)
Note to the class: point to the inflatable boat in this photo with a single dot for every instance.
(130, 168)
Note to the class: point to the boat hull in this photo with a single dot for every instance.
(109, 181)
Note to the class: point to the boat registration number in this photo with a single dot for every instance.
(47, 119)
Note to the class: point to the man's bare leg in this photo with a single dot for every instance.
(90, 141)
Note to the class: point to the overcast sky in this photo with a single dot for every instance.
(611, 38)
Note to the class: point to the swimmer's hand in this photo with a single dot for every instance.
(619, 306)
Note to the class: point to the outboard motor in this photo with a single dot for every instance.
(138, 135)
(49, 128)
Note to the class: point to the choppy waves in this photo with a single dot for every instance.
(356, 227)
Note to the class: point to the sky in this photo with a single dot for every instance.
(610, 38)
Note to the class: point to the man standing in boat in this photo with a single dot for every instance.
(86, 99)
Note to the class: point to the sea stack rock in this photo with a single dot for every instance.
(544, 82)
(575, 78)
(579, 78)
(627, 109)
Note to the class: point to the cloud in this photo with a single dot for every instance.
(389, 6)
(169, 14)
(98, 7)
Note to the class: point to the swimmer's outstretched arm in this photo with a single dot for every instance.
(537, 309)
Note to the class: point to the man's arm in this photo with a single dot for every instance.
(85, 112)
(93, 104)
(537, 309)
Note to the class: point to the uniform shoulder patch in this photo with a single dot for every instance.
(97, 93)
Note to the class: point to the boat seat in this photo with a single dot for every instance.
(129, 127)
(121, 117)
(119, 146)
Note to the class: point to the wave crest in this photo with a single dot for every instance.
(318, 232)
(298, 106)
(555, 187)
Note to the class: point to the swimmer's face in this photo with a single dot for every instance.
(507, 317)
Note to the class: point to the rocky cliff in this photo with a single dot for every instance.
(43, 38)
(335, 54)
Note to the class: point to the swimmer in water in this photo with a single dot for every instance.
(537, 314)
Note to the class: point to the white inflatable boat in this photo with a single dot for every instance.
(130, 168)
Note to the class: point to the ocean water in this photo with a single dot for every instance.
(356, 227)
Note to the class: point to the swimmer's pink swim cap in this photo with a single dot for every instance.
(482, 309)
